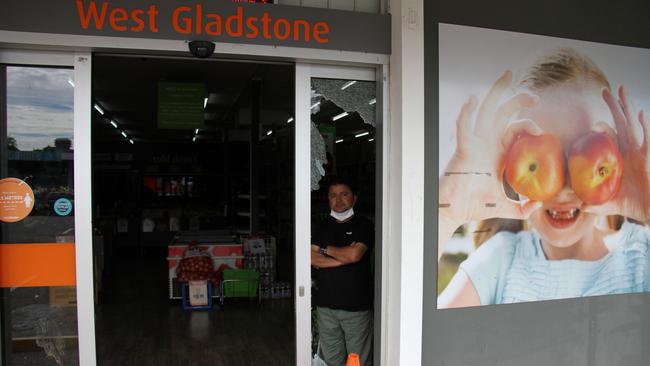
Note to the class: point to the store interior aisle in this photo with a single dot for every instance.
(136, 324)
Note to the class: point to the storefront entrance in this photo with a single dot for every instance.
(193, 189)
(157, 189)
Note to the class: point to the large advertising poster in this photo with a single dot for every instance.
(544, 168)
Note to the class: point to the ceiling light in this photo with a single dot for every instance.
(339, 140)
(205, 102)
(114, 124)
(125, 135)
(98, 109)
(348, 84)
(362, 134)
(71, 82)
(339, 116)
(372, 101)
(193, 138)
(131, 141)
(315, 105)
(371, 139)
(196, 132)
(290, 120)
(269, 133)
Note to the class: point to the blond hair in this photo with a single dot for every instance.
(563, 66)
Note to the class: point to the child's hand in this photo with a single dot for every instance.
(633, 197)
(471, 188)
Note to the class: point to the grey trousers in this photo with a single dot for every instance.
(342, 332)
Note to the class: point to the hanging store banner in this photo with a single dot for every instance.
(180, 105)
(217, 21)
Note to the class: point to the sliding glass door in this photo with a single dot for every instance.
(38, 256)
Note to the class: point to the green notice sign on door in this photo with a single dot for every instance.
(180, 105)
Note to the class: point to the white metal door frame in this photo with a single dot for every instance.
(83, 208)
(304, 73)
(81, 62)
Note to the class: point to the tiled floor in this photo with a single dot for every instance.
(137, 324)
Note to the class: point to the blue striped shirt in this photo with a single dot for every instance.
(511, 268)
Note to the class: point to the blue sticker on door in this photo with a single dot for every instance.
(63, 207)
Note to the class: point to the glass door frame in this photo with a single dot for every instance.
(81, 63)
(304, 73)
(375, 69)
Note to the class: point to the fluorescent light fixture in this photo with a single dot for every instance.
(339, 116)
(348, 84)
(315, 105)
(205, 102)
(372, 101)
(290, 120)
(98, 109)
(339, 140)
(196, 132)
(114, 124)
(362, 134)
(269, 132)
(194, 139)
(71, 82)
(131, 141)
(371, 139)
(125, 135)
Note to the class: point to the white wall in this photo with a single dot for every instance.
(406, 186)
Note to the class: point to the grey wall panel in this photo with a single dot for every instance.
(596, 331)
(341, 4)
(370, 6)
(275, 25)
(315, 3)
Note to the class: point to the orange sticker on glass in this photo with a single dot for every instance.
(16, 200)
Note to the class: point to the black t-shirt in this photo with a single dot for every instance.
(347, 287)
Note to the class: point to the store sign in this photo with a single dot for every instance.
(180, 105)
(217, 21)
(198, 293)
(16, 200)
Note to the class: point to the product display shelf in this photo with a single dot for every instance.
(221, 246)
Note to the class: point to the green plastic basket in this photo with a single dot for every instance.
(240, 282)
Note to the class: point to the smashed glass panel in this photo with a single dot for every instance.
(318, 157)
(351, 96)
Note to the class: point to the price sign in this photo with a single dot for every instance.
(198, 293)
(256, 246)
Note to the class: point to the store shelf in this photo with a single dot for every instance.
(248, 196)
(248, 214)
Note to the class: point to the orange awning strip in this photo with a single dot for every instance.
(37, 265)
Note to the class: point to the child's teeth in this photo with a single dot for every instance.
(563, 215)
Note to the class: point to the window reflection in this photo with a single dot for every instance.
(42, 324)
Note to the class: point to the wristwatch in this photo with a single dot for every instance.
(323, 250)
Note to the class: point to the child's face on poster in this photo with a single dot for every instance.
(569, 112)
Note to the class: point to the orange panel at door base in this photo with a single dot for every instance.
(37, 265)
(16, 200)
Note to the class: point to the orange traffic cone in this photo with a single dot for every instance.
(353, 360)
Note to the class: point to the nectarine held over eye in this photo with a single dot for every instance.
(595, 168)
(534, 166)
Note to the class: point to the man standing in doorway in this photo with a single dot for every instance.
(341, 248)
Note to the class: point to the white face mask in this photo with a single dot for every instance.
(342, 216)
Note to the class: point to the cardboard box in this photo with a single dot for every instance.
(63, 296)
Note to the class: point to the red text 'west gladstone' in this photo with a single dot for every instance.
(193, 20)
